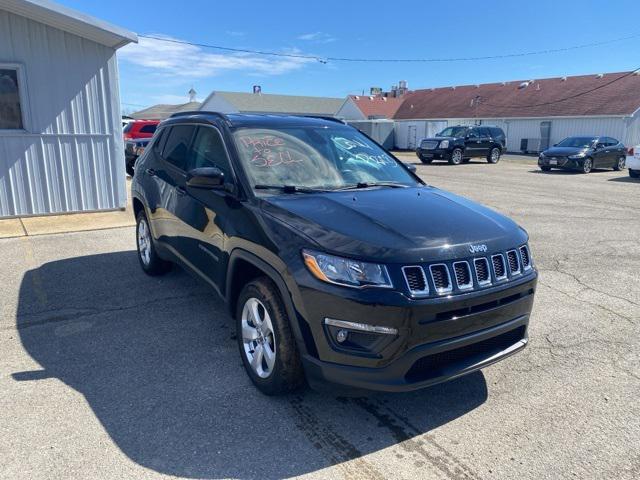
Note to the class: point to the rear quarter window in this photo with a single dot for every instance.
(148, 129)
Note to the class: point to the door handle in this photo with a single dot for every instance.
(181, 191)
(151, 172)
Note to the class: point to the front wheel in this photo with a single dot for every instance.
(456, 157)
(545, 169)
(494, 155)
(150, 262)
(587, 165)
(426, 160)
(620, 164)
(267, 346)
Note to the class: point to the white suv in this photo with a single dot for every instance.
(633, 161)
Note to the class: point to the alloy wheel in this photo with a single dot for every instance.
(258, 338)
(587, 165)
(456, 157)
(144, 241)
(621, 163)
(495, 155)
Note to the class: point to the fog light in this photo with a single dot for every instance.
(341, 336)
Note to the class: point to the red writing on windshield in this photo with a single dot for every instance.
(269, 151)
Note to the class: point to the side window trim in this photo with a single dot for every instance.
(234, 176)
(172, 165)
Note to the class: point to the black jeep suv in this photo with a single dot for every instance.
(460, 144)
(338, 264)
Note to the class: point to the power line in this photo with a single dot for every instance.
(570, 97)
(393, 60)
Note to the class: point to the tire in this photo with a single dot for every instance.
(494, 155)
(426, 160)
(620, 164)
(634, 173)
(587, 165)
(545, 169)
(283, 373)
(456, 157)
(148, 257)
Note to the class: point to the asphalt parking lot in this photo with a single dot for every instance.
(108, 373)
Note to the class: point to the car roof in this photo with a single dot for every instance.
(238, 120)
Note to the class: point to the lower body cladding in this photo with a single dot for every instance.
(421, 342)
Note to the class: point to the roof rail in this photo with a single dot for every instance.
(222, 116)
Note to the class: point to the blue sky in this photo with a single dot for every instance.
(158, 72)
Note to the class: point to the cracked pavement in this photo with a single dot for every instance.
(107, 373)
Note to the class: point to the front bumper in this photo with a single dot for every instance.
(561, 162)
(438, 339)
(435, 154)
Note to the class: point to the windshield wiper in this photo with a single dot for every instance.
(373, 184)
(289, 188)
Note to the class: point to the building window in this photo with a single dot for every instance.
(11, 108)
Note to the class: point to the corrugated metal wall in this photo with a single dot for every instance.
(71, 156)
(382, 131)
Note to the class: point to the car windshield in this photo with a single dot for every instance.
(577, 142)
(316, 157)
(453, 132)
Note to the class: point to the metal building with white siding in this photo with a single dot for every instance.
(542, 112)
(61, 146)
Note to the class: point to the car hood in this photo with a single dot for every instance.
(565, 151)
(396, 225)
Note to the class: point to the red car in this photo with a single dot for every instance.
(140, 129)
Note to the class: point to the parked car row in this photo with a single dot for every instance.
(458, 144)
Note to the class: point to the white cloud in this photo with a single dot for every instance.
(189, 61)
(317, 37)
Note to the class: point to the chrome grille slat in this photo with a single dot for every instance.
(441, 278)
(514, 262)
(499, 267)
(462, 272)
(526, 257)
(481, 266)
(429, 145)
(416, 280)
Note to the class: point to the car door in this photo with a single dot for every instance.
(485, 141)
(169, 176)
(472, 142)
(616, 150)
(601, 154)
(205, 212)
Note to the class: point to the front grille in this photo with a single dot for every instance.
(441, 278)
(514, 262)
(429, 145)
(463, 275)
(499, 268)
(482, 271)
(416, 280)
(438, 364)
(526, 258)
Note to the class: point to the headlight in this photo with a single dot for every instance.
(541, 154)
(577, 156)
(346, 272)
(444, 144)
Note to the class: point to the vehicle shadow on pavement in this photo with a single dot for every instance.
(158, 363)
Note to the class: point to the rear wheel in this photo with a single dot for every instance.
(620, 164)
(267, 346)
(150, 262)
(587, 165)
(456, 157)
(494, 155)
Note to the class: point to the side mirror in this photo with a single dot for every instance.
(205, 177)
(411, 167)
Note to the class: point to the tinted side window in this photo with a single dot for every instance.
(484, 132)
(148, 128)
(473, 133)
(611, 141)
(497, 133)
(159, 139)
(177, 145)
(208, 151)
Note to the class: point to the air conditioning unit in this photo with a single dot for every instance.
(530, 145)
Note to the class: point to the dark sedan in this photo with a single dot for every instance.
(584, 154)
